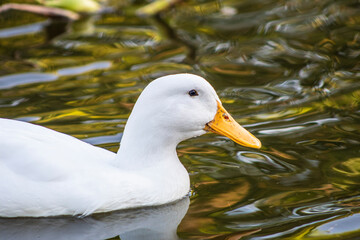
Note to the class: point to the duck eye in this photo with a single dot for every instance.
(193, 93)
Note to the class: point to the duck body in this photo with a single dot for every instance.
(47, 173)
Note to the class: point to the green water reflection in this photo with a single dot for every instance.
(287, 70)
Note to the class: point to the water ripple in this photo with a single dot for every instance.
(13, 80)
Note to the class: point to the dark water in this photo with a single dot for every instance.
(286, 70)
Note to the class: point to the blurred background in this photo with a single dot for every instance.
(288, 71)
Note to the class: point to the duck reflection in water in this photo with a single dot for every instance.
(144, 223)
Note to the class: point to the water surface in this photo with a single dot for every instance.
(286, 70)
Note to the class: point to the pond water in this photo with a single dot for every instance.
(286, 70)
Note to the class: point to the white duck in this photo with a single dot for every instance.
(47, 173)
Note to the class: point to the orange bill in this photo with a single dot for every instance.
(224, 124)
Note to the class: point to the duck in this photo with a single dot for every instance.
(46, 173)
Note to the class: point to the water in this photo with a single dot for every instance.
(286, 70)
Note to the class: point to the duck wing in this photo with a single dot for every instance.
(44, 172)
(42, 154)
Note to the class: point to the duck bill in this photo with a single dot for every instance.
(224, 124)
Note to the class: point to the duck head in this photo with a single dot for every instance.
(178, 107)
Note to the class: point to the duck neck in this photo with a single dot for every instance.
(141, 148)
